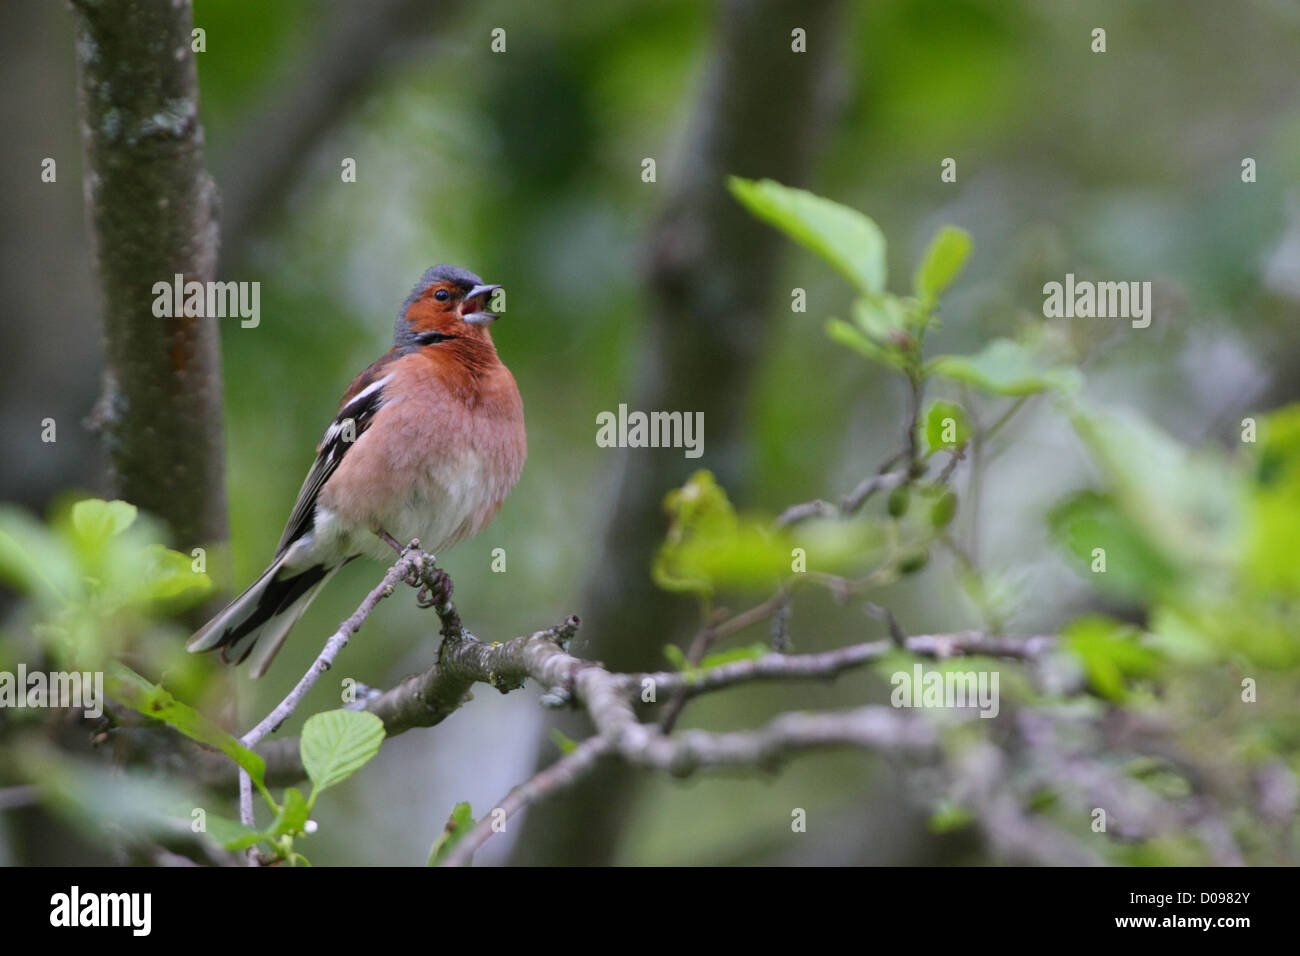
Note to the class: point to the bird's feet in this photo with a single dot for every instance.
(435, 590)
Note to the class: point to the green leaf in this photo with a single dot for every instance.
(949, 817)
(337, 743)
(229, 834)
(292, 818)
(1005, 367)
(899, 500)
(946, 418)
(942, 263)
(884, 319)
(697, 510)
(563, 741)
(676, 657)
(1135, 567)
(848, 335)
(1186, 502)
(34, 560)
(1110, 653)
(943, 510)
(717, 659)
(709, 546)
(95, 520)
(102, 802)
(125, 685)
(844, 237)
(1272, 537)
(458, 824)
(168, 574)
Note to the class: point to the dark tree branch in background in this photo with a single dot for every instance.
(150, 206)
(711, 278)
(355, 41)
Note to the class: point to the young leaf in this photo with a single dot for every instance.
(849, 335)
(292, 818)
(563, 741)
(1272, 526)
(96, 520)
(1187, 498)
(946, 426)
(943, 510)
(1110, 653)
(337, 743)
(698, 511)
(676, 657)
(230, 834)
(949, 816)
(168, 574)
(34, 560)
(125, 685)
(883, 318)
(717, 659)
(1004, 367)
(458, 824)
(942, 263)
(844, 237)
(1136, 567)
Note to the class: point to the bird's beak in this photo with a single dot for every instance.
(480, 318)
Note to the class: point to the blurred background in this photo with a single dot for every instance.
(526, 167)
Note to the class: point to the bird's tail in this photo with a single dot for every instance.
(262, 615)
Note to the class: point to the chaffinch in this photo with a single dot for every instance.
(427, 443)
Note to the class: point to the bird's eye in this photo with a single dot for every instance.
(442, 295)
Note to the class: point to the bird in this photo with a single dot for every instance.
(427, 443)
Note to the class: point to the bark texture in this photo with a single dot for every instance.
(711, 280)
(151, 210)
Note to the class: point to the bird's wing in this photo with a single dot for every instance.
(362, 400)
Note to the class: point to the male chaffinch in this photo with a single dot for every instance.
(427, 443)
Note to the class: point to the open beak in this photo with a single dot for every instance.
(479, 318)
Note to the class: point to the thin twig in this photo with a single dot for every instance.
(563, 773)
(410, 563)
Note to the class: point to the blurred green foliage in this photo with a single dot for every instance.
(96, 575)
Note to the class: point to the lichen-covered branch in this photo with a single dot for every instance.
(1053, 747)
(428, 698)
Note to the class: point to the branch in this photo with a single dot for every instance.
(874, 728)
(830, 664)
(356, 41)
(978, 776)
(428, 698)
(411, 561)
(563, 773)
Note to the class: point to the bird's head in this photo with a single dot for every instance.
(447, 304)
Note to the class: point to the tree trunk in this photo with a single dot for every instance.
(711, 279)
(151, 211)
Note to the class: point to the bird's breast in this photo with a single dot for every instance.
(430, 467)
